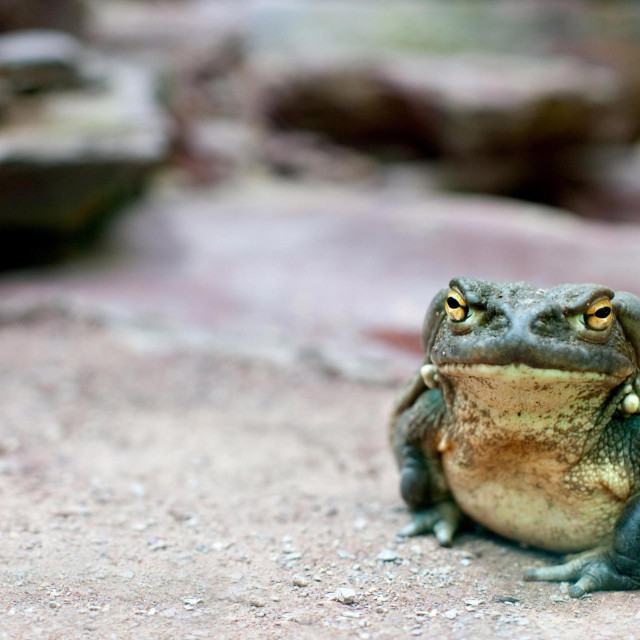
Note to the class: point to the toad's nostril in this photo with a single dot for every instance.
(543, 323)
(540, 327)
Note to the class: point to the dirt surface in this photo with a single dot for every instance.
(181, 493)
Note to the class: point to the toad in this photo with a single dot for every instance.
(524, 417)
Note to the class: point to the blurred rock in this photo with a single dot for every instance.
(485, 104)
(68, 159)
(37, 60)
(353, 105)
(63, 15)
(453, 106)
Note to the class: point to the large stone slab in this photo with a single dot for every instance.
(336, 274)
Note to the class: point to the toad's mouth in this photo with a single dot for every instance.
(570, 356)
(518, 371)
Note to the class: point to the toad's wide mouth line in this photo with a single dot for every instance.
(517, 369)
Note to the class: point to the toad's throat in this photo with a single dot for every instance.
(514, 388)
(517, 414)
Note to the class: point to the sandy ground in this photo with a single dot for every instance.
(180, 493)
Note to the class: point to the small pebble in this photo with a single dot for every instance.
(179, 514)
(256, 602)
(168, 613)
(387, 555)
(299, 581)
(346, 595)
(473, 602)
(192, 602)
(451, 614)
(155, 544)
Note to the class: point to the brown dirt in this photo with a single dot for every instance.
(177, 493)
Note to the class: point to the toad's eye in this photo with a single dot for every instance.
(599, 315)
(456, 306)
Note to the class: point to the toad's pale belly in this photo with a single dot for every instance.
(534, 509)
(514, 454)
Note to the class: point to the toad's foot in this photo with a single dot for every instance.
(442, 519)
(592, 571)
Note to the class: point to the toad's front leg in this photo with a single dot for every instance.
(612, 568)
(422, 482)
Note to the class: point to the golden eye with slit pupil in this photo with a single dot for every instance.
(456, 306)
(599, 315)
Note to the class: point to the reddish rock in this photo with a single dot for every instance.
(342, 274)
(351, 104)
